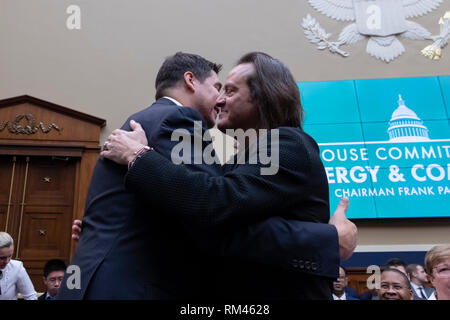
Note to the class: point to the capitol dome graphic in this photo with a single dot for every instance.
(406, 126)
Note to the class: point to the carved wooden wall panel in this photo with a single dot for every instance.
(47, 155)
(47, 181)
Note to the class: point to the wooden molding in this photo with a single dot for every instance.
(53, 107)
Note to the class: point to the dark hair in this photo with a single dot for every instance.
(54, 265)
(405, 278)
(174, 68)
(274, 91)
(394, 262)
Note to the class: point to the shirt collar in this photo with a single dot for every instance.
(415, 286)
(343, 297)
(48, 295)
(173, 100)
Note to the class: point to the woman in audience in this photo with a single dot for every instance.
(437, 266)
(14, 278)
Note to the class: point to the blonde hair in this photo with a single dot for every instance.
(6, 240)
(436, 255)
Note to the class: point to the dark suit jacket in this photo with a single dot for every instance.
(220, 205)
(351, 293)
(125, 250)
(428, 292)
(131, 248)
(42, 296)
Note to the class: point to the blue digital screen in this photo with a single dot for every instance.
(384, 143)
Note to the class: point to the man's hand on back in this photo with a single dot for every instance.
(76, 229)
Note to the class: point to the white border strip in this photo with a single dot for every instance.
(378, 142)
(395, 248)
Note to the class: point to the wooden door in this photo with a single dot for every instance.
(36, 208)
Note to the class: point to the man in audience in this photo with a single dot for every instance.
(13, 276)
(418, 277)
(340, 289)
(53, 275)
(394, 285)
(396, 263)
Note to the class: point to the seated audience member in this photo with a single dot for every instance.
(53, 275)
(418, 278)
(396, 263)
(13, 276)
(340, 289)
(437, 266)
(394, 285)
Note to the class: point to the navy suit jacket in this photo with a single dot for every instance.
(125, 250)
(43, 296)
(132, 248)
(351, 294)
(428, 292)
(218, 206)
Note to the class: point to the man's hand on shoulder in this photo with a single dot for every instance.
(122, 146)
(347, 231)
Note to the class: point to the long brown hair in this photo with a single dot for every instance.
(274, 91)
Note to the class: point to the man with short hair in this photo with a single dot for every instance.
(123, 252)
(394, 285)
(260, 93)
(53, 275)
(419, 279)
(14, 278)
(396, 263)
(340, 288)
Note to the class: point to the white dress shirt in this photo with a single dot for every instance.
(416, 288)
(15, 280)
(343, 297)
(173, 100)
(433, 296)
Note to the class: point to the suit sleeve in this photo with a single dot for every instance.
(244, 201)
(285, 244)
(238, 198)
(181, 137)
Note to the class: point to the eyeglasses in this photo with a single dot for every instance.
(443, 271)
